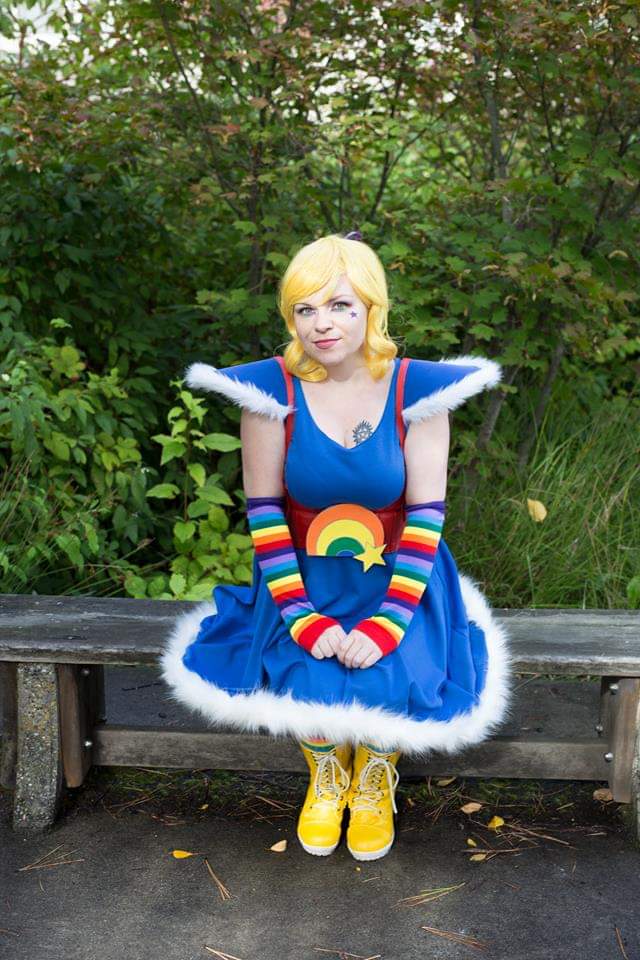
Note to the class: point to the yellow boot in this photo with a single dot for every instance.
(371, 801)
(320, 820)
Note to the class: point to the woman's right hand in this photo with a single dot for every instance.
(328, 643)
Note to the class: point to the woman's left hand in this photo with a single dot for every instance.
(358, 650)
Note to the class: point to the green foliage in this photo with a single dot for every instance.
(73, 501)
(160, 165)
(207, 550)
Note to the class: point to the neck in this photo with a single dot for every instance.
(352, 369)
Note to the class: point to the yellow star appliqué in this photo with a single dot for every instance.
(370, 555)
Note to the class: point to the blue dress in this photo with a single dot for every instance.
(444, 687)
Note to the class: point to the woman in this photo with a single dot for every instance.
(358, 635)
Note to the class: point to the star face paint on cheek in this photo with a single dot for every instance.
(353, 314)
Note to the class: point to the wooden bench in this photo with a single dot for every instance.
(53, 651)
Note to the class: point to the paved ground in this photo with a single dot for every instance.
(568, 889)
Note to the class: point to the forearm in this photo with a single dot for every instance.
(412, 569)
(278, 562)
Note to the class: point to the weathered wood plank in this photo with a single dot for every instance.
(119, 630)
(118, 745)
(621, 709)
(82, 706)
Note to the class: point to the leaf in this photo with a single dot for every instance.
(482, 331)
(245, 226)
(57, 444)
(603, 793)
(184, 531)
(165, 491)
(214, 494)
(181, 854)
(199, 508)
(445, 781)
(172, 450)
(478, 856)
(471, 807)
(279, 847)
(471, 842)
(197, 473)
(177, 583)
(495, 822)
(537, 510)
(221, 442)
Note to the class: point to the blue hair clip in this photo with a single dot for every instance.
(354, 235)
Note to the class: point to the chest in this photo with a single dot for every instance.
(348, 417)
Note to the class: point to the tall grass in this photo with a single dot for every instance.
(586, 552)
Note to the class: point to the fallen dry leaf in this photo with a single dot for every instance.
(445, 781)
(471, 843)
(181, 854)
(478, 856)
(602, 793)
(471, 807)
(537, 510)
(495, 822)
(279, 847)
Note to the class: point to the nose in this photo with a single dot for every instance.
(323, 323)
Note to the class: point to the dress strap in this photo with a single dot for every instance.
(402, 374)
(288, 423)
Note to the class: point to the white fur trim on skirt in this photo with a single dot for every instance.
(262, 711)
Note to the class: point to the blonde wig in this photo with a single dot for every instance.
(313, 267)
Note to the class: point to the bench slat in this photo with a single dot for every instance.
(533, 757)
(121, 630)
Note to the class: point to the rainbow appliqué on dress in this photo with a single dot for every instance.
(347, 530)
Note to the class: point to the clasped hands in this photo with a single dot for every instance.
(355, 649)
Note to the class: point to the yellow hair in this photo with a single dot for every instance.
(311, 269)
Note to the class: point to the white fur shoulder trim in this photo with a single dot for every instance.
(488, 374)
(242, 392)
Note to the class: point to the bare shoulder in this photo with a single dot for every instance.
(433, 431)
(426, 454)
(260, 424)
(263, 449)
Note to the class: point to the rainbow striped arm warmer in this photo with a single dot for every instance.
(412, 569)
(277, 559)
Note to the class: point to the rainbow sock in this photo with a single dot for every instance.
(325, 746)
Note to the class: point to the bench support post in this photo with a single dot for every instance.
(82, 706)
(8, 694)
(620, 718)
(38, 779)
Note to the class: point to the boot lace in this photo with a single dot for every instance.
(329, 770)
(369, 790)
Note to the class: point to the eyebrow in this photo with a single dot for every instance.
(340, 296)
